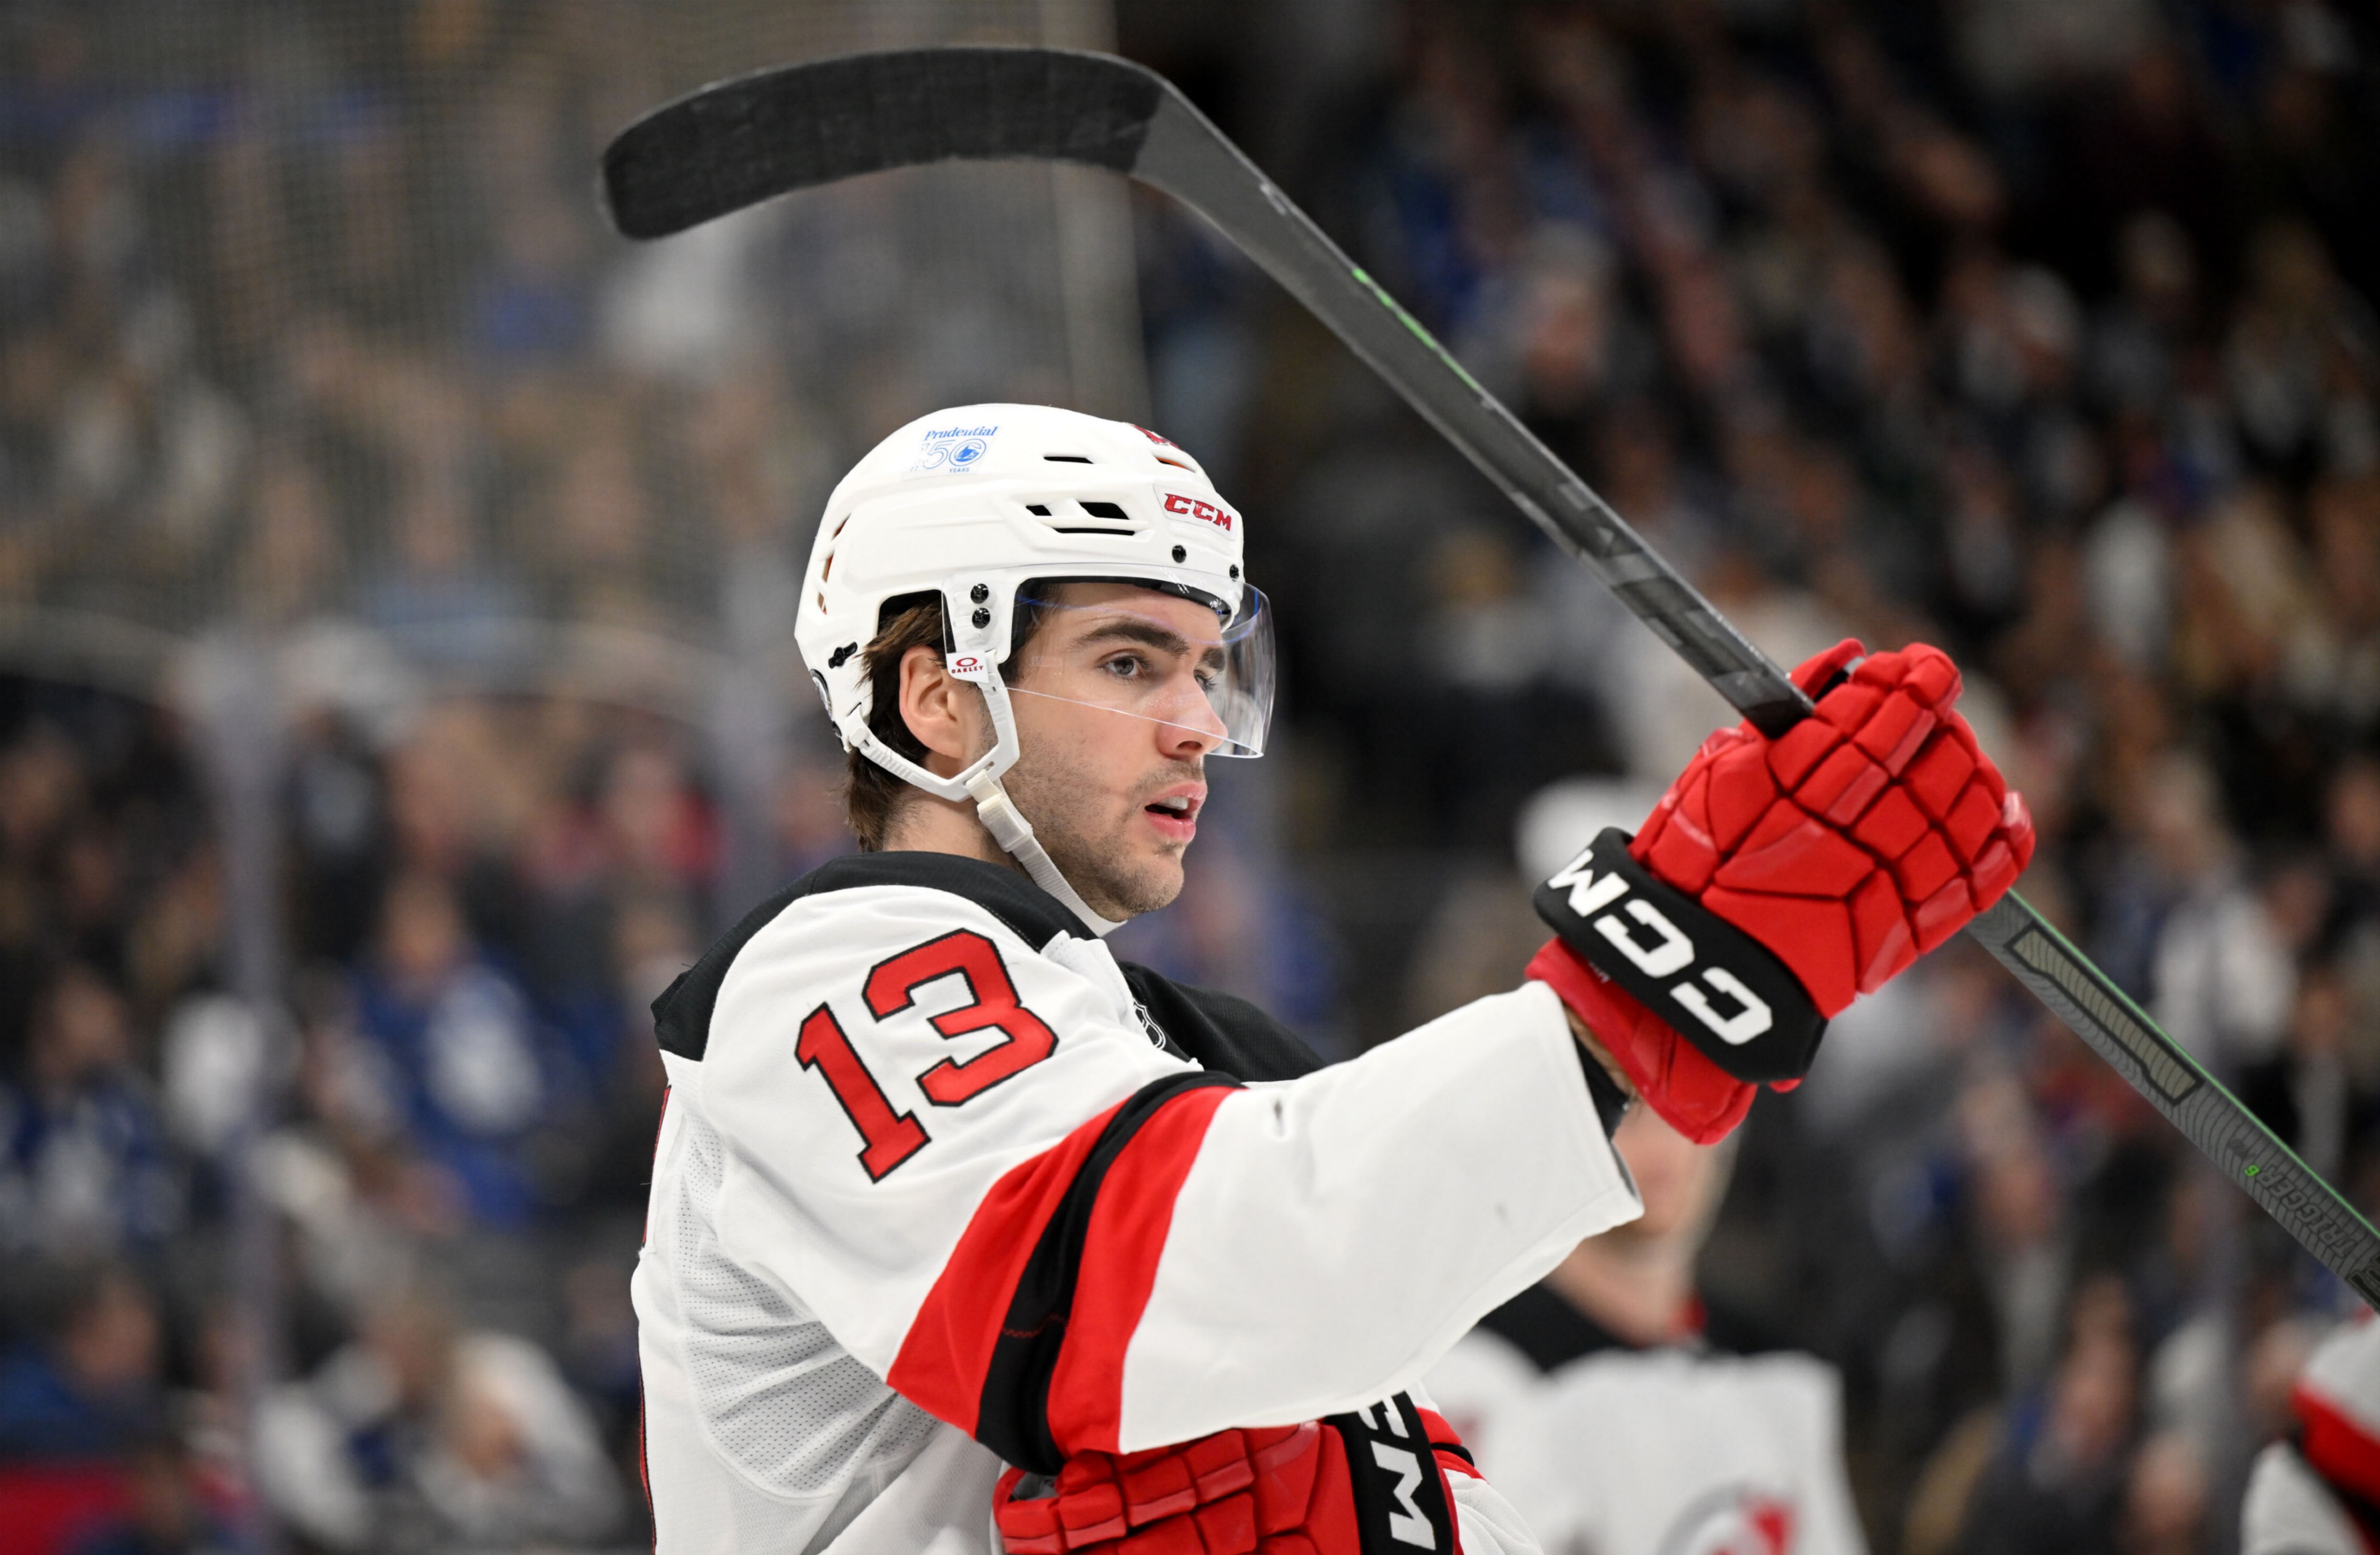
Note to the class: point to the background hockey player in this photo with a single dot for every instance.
(953, 1219)
(1624, 1414)
(2318, 1491)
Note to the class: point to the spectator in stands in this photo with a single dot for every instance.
(2166, 1498)
(2308, 1093)
(87, 1384)
(463, 1060)
(167, 1512)
(79, 1390)
(84, 1163)
(2219, 980)
(2055, 1485)
(424, 1434)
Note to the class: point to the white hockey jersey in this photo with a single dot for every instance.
(938, 1184)
(2319, 1492)
(2291, 1510)
(1607, 1450)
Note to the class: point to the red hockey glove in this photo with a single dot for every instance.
(1285, 1490)
(1778, 879)
(1694, 1096)
(1856, 840)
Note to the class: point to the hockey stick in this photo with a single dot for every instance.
(744, 140)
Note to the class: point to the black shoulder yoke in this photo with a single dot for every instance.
(1549, 1329)
(682, 1014)
(1228, 1036)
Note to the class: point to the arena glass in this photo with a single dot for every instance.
(744, 141)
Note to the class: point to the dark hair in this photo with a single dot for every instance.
(872, 796)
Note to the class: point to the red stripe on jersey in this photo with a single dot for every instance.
(1119, 1269)
(2341, 1447)
(949, 1345)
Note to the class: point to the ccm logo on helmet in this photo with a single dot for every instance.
(1659, 948)
(1220, 516)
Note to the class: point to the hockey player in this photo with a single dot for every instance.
(1624, 1416)
(2319, 1492)
(964, 1236)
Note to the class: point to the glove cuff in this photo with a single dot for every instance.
(1696, 973)
(1691, 1094)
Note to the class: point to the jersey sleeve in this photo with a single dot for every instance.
(1337, 1234)
(2288, 1510)
(1486, 1522)
(1807, 1405)
(969, 1160)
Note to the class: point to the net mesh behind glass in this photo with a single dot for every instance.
(310, 324)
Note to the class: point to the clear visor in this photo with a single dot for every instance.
(1150, 655)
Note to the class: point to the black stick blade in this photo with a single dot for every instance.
(741, 142)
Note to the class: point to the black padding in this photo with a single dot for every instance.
(1393, 1479)
(1549, 1329)
(744, 141)
(682, 1014)
(1221, 1031)
(1222, 1034)
(1552, 1331)
(1685, 963)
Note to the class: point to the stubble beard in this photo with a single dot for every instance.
(1092, 850)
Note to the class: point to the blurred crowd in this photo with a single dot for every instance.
(2041, 332)
(467, 1088)
(310, 337)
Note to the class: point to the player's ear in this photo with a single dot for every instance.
(943, 712)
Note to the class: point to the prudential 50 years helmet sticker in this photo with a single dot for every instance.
(946, 450)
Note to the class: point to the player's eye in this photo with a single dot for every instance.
(1125, 666)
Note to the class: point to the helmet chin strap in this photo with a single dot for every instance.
(1014, 834)
(981, 781)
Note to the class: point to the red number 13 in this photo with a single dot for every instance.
(889, 1136)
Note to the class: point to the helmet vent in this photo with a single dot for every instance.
(1116, 521)
(1177, 464)
(1064, 459)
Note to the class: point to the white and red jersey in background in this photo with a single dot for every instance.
(1606, 1449)
(2319, 1492)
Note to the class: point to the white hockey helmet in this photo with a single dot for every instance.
(974, 505)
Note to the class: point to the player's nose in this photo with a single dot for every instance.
(1193, 729)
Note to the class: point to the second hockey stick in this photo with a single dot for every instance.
(732, 145)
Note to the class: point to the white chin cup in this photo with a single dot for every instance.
(1014, 834)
